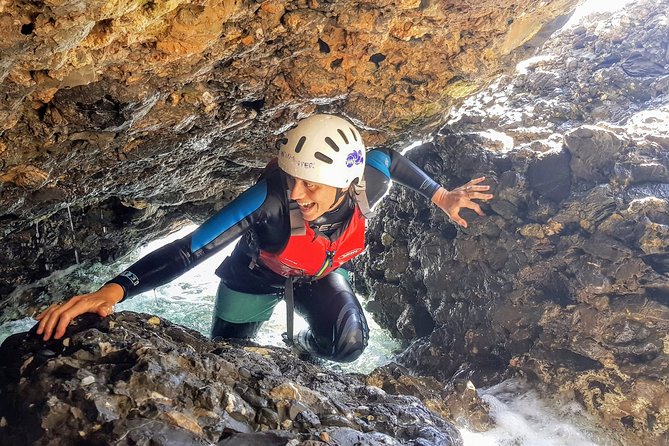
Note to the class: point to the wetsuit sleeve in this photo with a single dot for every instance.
(169, 262)
(384, 165)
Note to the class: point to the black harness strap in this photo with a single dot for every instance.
(290, 306)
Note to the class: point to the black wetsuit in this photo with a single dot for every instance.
(261, 215)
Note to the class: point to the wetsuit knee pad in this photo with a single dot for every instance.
(338, 329)
(352, 334)
(346, 341)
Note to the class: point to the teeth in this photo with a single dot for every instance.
(306, 204)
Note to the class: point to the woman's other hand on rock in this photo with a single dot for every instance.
(452, 202)
(54, 320)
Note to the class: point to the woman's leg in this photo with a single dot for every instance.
(239, 315)
(229, 330)
(337, 326)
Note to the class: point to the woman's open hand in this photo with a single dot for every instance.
(461, 197)
(55, 319)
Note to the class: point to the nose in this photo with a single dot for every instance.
(298, 189)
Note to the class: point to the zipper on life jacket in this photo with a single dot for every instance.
(329, 259)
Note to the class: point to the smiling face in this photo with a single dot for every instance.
(314, 199)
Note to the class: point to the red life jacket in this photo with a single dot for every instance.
(315, 256)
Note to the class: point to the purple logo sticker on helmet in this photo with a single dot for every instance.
(354, 158)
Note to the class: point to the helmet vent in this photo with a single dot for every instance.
(322, 157)
(332, 144)
(300, 143)
(324, 149)
(343, 135)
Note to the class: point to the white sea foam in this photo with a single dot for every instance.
(523, 66)
(523, 418)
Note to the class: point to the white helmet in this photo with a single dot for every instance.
(323, 149)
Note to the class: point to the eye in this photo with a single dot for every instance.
(310, 186)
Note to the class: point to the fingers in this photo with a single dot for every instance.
(48, 321)
(459, 220)
(65, 319)
(54, 320)
(474, 191)
(478, 189)
(465, 196)
(50, 309)
(479, 196)
(46, 324)
(476, 208)
(475, 181)
(452, 202)
(469, 188)
(465, 202)
(455, 215)
(57, 317)
(45, 316)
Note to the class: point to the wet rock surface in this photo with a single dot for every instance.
(137, 379)
(565, 281)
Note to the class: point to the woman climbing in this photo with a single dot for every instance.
(299, 224)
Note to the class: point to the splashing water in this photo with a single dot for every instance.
(18, 326)
(523, 418)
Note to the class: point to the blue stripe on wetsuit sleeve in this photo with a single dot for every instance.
(240, 208)
(380, 161)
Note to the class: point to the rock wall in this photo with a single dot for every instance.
(135, 379)
(565, 280)
(119, 120)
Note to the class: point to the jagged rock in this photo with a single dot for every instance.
(550, 176)
(593, 151)
(132, 378)
(457, 401)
